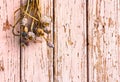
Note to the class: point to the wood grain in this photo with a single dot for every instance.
(70, 41)
(104, 38)
(9, 45)
(68, 61)
(37, 58)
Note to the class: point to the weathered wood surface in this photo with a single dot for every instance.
(70, 41)
(104, 52)
(37, 61)
(9, 45)
(67, 62)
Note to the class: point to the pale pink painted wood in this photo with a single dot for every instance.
(37, 59)
(9, 45)
(70, 44)
(70, 41)
(104, 52)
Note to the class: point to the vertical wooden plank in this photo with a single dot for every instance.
(118, 36)
(70, 41)
(103, 40)
(37, 59)
(9, 45)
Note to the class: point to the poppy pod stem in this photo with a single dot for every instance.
(13, 30)
(32, 25)
(28, 1)
(30, 16)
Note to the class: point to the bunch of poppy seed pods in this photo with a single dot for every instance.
(33, 25)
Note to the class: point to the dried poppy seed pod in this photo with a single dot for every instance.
(46, 30)
(39, 32)
(45, 20)
(24, 34)
(50, 44)
(31, 35)
(24, 21)
(25, 29)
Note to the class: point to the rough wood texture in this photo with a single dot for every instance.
(37, 58)
(70, 41)
(9, 45)
(67, 62)
(104, 17)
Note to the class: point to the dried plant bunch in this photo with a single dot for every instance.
(32, 24)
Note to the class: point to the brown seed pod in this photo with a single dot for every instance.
(25, 29)
(39, 32)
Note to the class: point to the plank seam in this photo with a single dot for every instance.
(20, 47)
(87, 40)
(54, 40)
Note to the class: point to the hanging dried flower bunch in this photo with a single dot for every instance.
(32, 23)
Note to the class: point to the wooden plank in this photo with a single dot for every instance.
(37, 59)
(103, 36)
(9, 45)
(70, 41)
